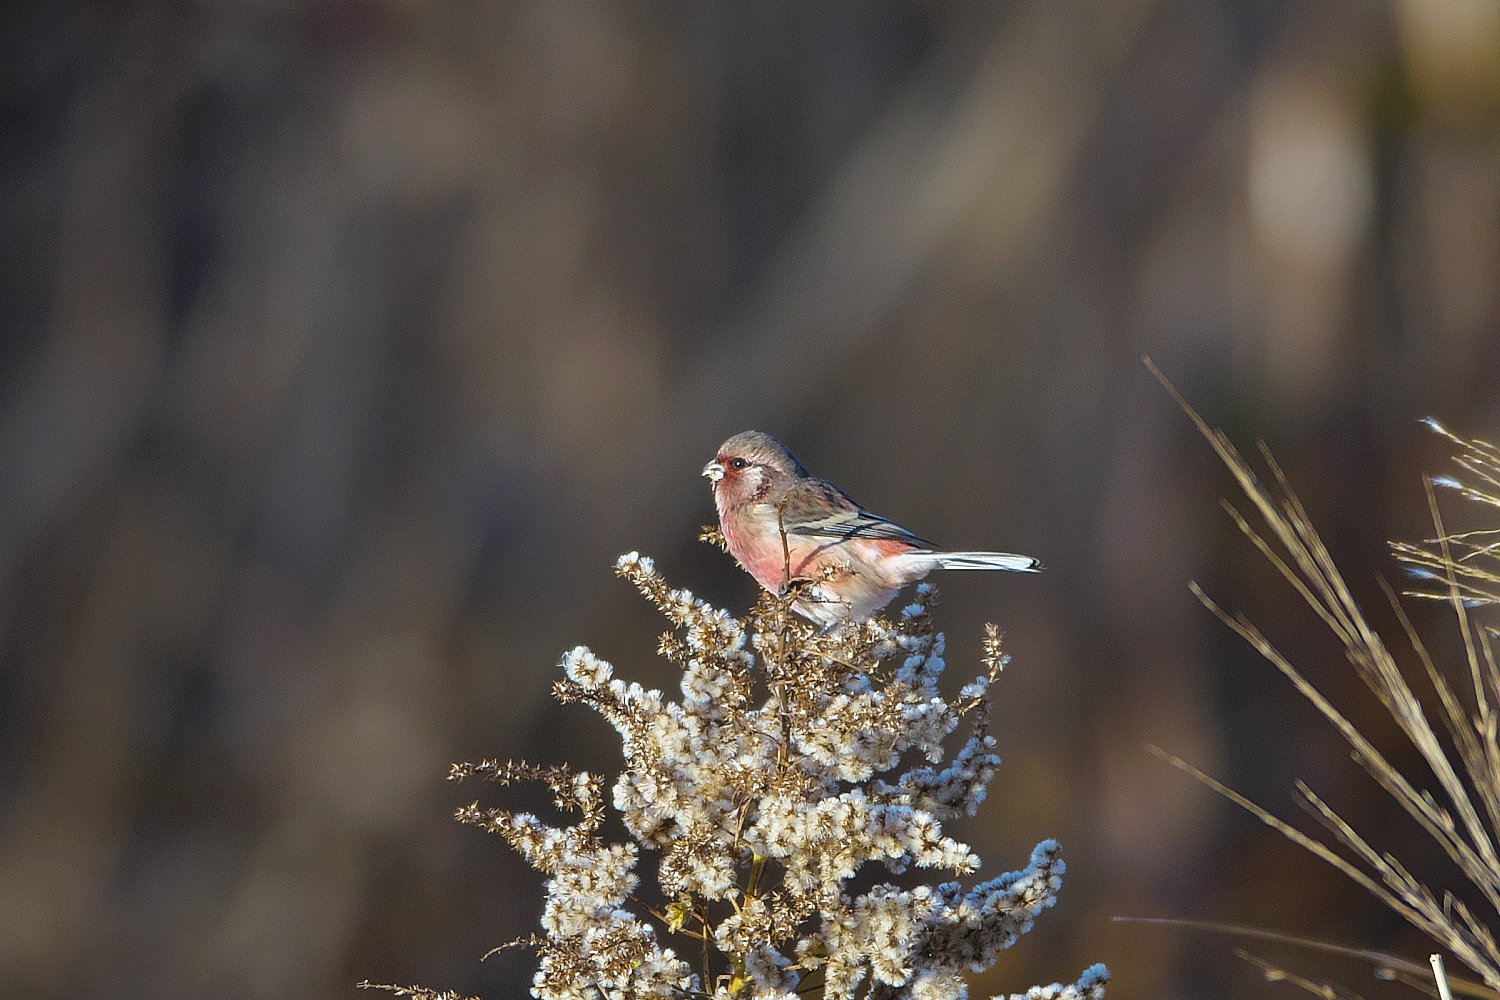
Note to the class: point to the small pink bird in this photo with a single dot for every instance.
(848, 562)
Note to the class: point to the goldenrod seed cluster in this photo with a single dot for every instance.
(792, 761)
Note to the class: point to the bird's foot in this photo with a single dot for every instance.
(797, 586)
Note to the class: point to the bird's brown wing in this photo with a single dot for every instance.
(818, 509)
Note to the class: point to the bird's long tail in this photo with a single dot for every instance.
(974, 561)
(984, 560)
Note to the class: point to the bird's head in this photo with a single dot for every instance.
(752, 466)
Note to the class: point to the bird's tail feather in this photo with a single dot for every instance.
(987, 560)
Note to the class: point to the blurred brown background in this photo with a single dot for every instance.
(347, 343)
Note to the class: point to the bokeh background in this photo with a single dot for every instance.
(346, 343)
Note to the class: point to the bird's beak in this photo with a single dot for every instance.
(714, 471)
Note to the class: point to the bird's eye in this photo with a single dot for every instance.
(737, 463)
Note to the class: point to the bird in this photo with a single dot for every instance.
(799, 535)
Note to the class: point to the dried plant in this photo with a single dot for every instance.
(1458, 803)
(793, 761)
(1466, 564)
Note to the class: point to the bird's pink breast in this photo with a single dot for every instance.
(758, 551)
